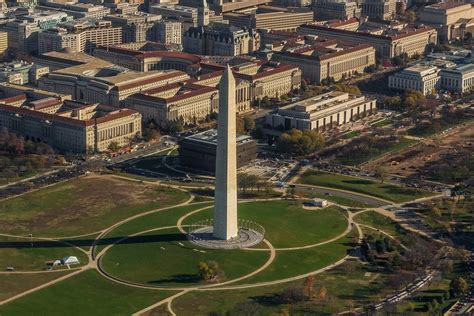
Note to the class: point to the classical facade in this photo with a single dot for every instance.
(336, 9)
(424, 79)
(269, 17)
(379, 9)
(71, 126)
(79, 36)
(328, 59)
(452, 19)
(147, 60)
(322, 112)
(388, 43)
(459, 79)
(220, 39)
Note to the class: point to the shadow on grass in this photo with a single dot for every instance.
(178, 278)
(88, 242)
(359, 182)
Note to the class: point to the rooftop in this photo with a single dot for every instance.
(210, 137)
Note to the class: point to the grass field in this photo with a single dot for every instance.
(347, 285)
(82, 206)
(24, 255)
(85, 294)
(381, 222)
(287, 224)
(385, 191)
(339, 200)
(15, 283)
(158, 259)
(296, 262)
(372, 153)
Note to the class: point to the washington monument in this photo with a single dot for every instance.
(225, 208)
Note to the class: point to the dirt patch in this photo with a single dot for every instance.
(429, 153)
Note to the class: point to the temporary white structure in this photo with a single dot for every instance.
(70, 260)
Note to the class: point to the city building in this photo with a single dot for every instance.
(198, 151)
(220, 39)
(459, 79)
(321, 113)
(147, 60)
(424, 79)
(271, 17)
(68, 125)
(452, 19)
(388, 43)
(20, 72)
(81, 35)
(77, 10)
(379, 9)
(141, 27)
(99, 81)
(330, 59)
(3, 43)
(62, 59)
(336, 9)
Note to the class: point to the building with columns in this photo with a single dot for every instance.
(322, 112)
(389, 43)
(336, 9)
(328, 59)
(424, 79)
(459, 79)
(379, 9)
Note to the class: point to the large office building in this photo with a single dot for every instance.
(3, 43)
(270, 17)
(424, 79)
(379, 9)
(77, 10)
(199, 151)
(452, 19)
(330, 59)
(79, 36)
(69, 125)
(388, 43)
(220, 39)
(321, 113)
(139, 60)
(19, 72)
(336, 9)
(99, 81)
(459, 79)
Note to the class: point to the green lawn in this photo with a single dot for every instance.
(340, 200)
(85, 294)
(351, 134)
(296, 262)
(371, 153)
(376, 220)
(24, 255)
(16, 283)
(158, 259)
(287, 224)
(82, 206)
(385, 191)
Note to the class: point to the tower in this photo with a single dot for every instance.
(203, 13)
(225, 207)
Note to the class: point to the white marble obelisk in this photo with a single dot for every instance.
(225, 207)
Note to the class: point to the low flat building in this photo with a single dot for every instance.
(70, 126)
(329, 59)
(459, 79)
(270, 17)
(388, 43)
(322, 113)
(199, 151)
(424, 79)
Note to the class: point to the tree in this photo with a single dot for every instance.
(322, 293)
(113, 147)
(249, 124)
(435, 211)
(208, 270)
(309, 285)
(299, 142)
(411, 16)
(458, 286)
(380, 173)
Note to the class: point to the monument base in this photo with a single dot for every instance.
(249, 235)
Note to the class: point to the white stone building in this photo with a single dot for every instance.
(424, 79)
(460, 79)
